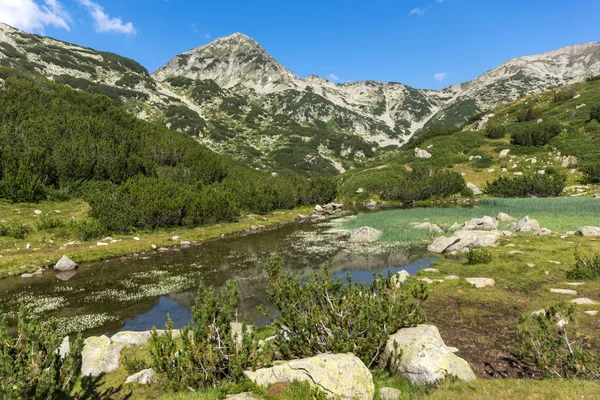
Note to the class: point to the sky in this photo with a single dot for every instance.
(426, 44)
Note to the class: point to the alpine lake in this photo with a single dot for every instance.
(138, 292)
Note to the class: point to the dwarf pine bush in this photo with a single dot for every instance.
(324, 314)
(550, 342)
(479, 256)
(585, 268)
(30, 364)
(214, 349)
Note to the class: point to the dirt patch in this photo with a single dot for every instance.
(278, 389)
(484, 333)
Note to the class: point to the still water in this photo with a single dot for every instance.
(138, 292)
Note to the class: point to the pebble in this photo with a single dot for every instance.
(563, 291)
(584, 301)
(591, 312)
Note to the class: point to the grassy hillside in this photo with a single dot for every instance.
(548, 133)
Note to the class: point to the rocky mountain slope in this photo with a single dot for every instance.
(237, 99)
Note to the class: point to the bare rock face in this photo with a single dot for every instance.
(365, 234)
(420, 355)
(341, 376)
(65, 264)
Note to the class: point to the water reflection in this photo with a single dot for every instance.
(137, 293)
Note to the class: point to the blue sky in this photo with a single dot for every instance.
(422, 43)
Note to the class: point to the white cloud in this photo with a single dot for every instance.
(103, 23)
(417, 11)
(33, 16)
(440, 76)
(333, 77)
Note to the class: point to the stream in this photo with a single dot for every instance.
(136, 293)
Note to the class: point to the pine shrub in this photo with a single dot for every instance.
(595, 113)
(550, 343)
(214, 348)
(15, 230)
(479, 256)
(528, 114)
(30, 364)
(323, 314)
(495, 131)
(550, 184)
(591, 171)
(585, 268)
(536, 134)
(564, 94)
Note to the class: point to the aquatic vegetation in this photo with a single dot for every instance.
(36, 305)
(81, 323)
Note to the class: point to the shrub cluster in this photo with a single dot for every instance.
(423, 183)
(591, 171)
(15, 230)
(31, 366)
(564, 94)
(324, 314)
(215, 348)
(528, 114)
(550, 184)
(536, 134)
(495, 131)
(550, 343)
(595, 113)
(592, 78)
(479, 256)
(585, 268)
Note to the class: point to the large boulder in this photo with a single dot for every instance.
(420, 355)
(465, 240)
(420, 153)
(365, 234)
(399, 278)
(588, 231)
(339, 375)
(65, 264)
(528, 225)
(486, 223)
(100, 355)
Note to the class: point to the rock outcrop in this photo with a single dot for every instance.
(588, 231)
(342, 376)
(462, 240)
(65, 264)
(365, 234)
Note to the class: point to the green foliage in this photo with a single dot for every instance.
(90, 229)
(421, 138)
(591, 171)
(595, 113)
(550, 343)
(112, 92)
(536, 134)
(46, 223)
(422, 184)
(564, 94)
(495, 131)
(550, 184)
(323, 314)
(134, 362)
(479, 256)
(10, 51)
(528, 114)
(30, 364)
(585, 268)
(15, 230)
(483, 162)
(215, 348)
(592, 78)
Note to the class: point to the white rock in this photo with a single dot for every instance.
(564, 291)
(584, 301)
(144, 377)
(504, 153)
(591, 312)
(420, 355)
(65, 264)
(387, 393)
(503, 217)
(420, 153)
(365, 234)
(474, 188)
(589, 231)
(481, 283)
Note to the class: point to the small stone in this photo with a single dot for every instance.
(538, 312)
(591, 312)
(426, 280)
(101, 244)
(387, 393)
(37, 212)
(27, 276)
(143, 377)
(451, 277)
(563, 291)
(584, 301)
(554, 262)
(531, 265)
(480, 283)
(137, 239)
(515, 252)
(185, 243)
(432, 270)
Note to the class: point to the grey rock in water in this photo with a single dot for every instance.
(420, 355)
(339, 375)
(65, 264)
